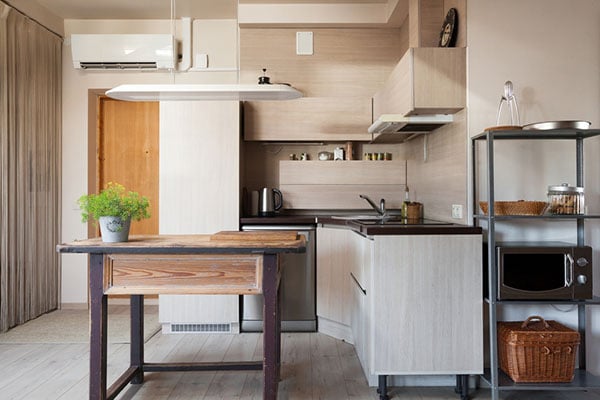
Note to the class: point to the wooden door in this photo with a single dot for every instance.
(127, 148)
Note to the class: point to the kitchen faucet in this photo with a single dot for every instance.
(380, 210)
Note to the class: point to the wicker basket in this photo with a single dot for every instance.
(520, 207)
(540, 351)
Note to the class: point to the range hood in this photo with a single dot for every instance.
(396, 128)
(171, 92)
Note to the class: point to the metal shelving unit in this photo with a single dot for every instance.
(493, 375)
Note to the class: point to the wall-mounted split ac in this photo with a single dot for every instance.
(123, 51)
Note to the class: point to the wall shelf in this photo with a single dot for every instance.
(335, 185)
(531, 217)
(582, 379)
(593, 301)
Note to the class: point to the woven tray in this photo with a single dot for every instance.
(537, 350)
(519, 207)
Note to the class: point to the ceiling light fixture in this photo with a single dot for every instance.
(171, 92)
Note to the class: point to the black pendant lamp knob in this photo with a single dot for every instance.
(264, 80)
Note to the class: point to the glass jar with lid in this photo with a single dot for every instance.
(564, 199)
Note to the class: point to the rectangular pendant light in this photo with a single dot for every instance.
(174, 92)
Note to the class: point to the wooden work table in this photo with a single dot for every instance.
(223, 263)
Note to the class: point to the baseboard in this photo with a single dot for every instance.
(335, 330)
(153, 301)
(73, 306)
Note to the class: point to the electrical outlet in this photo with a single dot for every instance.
(457, 211)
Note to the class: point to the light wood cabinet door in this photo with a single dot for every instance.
(323, 118)
(335, 256)
(360, 274)
(426, 299)
(426, 80)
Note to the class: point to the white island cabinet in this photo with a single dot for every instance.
(412, 303)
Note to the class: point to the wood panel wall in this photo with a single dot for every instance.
(426, 18)
(436, 165)
(338, 81)
(30, 143)
(437, 170)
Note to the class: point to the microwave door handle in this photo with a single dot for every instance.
(569, 269)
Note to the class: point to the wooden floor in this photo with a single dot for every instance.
(314, 366)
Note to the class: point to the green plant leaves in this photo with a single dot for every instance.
(114, 201)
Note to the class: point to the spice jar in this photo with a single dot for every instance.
(565, 199)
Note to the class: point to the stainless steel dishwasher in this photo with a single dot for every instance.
(298, 276)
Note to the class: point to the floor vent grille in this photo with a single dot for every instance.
(200, 328)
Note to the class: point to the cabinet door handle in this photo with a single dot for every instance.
(358, 284)
(569, 270)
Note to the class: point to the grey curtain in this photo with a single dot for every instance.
(30, 144)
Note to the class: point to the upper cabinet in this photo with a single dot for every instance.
(427, 84)
(337, 81)
(427, 80)
(310, 118)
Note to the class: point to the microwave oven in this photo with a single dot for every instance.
(543, 271)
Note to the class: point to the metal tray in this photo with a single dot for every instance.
(558, 125)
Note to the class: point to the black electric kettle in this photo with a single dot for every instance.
(269, 201)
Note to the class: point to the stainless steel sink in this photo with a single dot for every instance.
(392, 220)
(399, 221)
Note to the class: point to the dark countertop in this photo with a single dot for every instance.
(369, 228)
(416, 229)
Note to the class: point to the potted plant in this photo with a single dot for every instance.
(114, 208)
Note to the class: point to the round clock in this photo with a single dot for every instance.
(448, 34)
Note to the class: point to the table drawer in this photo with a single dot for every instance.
(183, 274)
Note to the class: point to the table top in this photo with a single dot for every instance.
(225, 242)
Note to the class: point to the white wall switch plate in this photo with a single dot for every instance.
(304, 43)
(457, 211)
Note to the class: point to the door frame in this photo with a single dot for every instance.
(93, 118)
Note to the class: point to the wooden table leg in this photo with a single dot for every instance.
(278, 333)
(272, 324)
(137, 337)
(98, 328)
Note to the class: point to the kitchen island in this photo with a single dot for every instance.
(407, 294)
(223, 263)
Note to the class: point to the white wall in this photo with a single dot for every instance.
(550, 50)
(76, 83)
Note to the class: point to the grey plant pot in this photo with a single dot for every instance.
(113, 229)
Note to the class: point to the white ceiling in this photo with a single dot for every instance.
(141, 9)
(161, 9)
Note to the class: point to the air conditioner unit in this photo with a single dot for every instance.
(122, 51)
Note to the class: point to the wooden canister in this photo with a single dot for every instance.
(414, 210)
